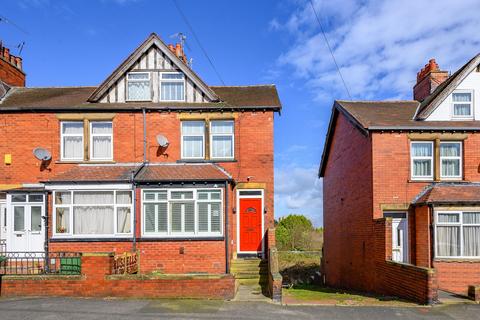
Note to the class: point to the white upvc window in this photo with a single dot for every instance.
(182, 212)
(421, 154)
(172, 86)
(193, 139)
(457, 234)
(222, 139)
(451, 160)
(462, 104)
(101, 140)
(138, 86)
(71, 140)
(92, 213)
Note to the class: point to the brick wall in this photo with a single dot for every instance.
(347, 210)
(96, 281)
(9, 74)
(456, 276)
(253, 153)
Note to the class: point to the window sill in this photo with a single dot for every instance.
(205, 160)
(186, 238)
(441, 180)
(454, 259)
(84, 162)
(93, 239)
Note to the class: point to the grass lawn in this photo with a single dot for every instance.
(311, 294)
(287, 259)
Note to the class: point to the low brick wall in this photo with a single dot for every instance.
(96, 281)
(402, 280)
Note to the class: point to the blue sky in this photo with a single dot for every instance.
(379, 45)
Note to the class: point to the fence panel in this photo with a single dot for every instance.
(36, 263)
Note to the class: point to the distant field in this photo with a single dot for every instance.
(289, 259)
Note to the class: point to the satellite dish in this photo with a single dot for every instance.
(162, 141)
(42, 154)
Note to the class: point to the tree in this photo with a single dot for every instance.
(293, 232)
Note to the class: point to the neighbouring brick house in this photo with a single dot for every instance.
(153, 159)
(402, 189)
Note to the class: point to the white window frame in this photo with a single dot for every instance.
(92, 158)
(140, 80)
(460, 157)
(192, 135)
(161, 81)
(460, 117)
(62, 135)
(458, 224)
(169, 201)
(412, 158)
(71, 234)
(222, 135)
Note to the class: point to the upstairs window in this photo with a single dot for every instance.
(138, 86)
(462, 104)
(221, 139)
(101, 141)
(193, 139)
(172, 86)
(422, 160)
(450, 160)
(72, 140)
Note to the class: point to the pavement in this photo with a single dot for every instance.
(97, 308)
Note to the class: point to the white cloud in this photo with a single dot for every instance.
(379, 45)
(298, 190)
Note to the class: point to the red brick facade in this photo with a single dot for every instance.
(366, 175)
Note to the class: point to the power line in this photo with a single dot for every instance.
(6, 20)
(197, 40)
(331, 51)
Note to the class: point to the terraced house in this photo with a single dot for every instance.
(402, 189)
(153, 160)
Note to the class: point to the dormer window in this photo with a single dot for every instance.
(462, 102)
(172, 86)
(138, 86)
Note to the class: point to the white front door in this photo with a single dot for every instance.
(3, 221)
(399, 240)
(25, 225)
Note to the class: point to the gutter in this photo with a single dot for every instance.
(415, 128)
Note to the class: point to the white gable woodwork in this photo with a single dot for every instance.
(153, 61)
(444, 111)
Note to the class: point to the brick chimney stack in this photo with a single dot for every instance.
(11, 71)
(178, 51)
(428, 79)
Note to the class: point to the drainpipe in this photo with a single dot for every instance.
(144, 135)
(45, 244)
(226, 231)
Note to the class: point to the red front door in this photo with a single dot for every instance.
(250, 225)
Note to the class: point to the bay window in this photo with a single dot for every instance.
(422, 160)
(457, 234)
(92, 213)
(193, 139)
(182, 212)
(71, 140)
(221, 139)
(462, 104)
(138, 86)
(451, 160)
(172, 86)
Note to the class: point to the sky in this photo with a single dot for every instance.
(378, 45)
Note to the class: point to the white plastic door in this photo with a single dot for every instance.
(27, 228)
(3, 221)
(399, 240)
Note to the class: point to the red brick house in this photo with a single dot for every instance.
(401, 189)
(153, 160)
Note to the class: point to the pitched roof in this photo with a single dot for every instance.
(96, 173)
(449, 193)
(182, 172)
(65, 98)
(385, 115)
(154, 172)
(445, 88)
(152, 40)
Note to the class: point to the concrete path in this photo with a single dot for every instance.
(70, 308)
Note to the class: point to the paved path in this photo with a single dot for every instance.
(69, 308)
